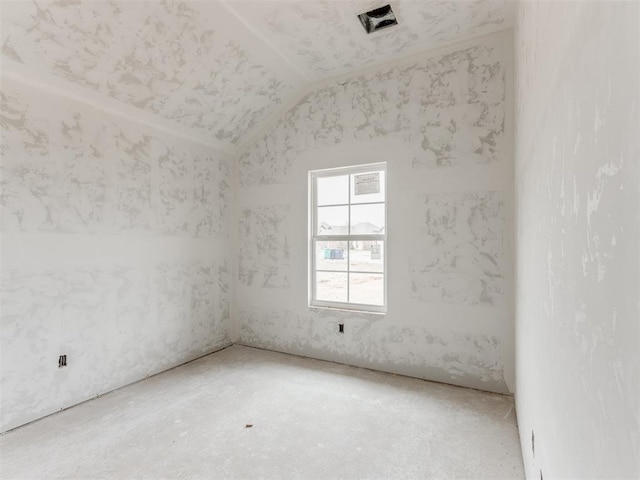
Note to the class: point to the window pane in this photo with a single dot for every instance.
(366, 256)
(333, 190)
(367, 219)
(331, 286)
(331, 256)
(367, 288)
(333, 220)
(368, 187)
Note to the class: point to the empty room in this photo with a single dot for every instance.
(320, 239)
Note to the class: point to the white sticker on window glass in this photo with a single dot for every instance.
(367, 183)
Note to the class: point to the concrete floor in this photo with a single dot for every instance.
(311, 419)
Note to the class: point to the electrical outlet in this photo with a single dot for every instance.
(62, 361)
(341, 327)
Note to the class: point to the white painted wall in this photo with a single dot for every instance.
(115, 251)
(578, 243)
(442, 122)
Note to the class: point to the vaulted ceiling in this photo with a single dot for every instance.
(220, 69)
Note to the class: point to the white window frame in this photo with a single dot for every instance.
(314, 237)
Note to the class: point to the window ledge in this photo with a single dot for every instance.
(323, 308)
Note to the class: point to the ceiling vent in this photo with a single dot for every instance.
(378, 19)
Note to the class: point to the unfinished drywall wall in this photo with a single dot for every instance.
(186, 62)
(115, 252)
(578, 244)
(442, 123)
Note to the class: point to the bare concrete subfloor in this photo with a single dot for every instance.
(310, 420)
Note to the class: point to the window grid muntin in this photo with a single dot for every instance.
(315, 237)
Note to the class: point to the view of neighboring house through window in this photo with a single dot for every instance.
(348, 218)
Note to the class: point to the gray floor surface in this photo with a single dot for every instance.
(309, 420)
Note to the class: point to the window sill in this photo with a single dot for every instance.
(323, 308)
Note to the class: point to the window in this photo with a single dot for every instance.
(348, 238)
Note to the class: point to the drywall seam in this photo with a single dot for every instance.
(298, 95)
(14, 72)
(233, 240)
(300, 72)
(510, 246)
(463, 39)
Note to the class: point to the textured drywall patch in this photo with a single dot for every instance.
(449, 110)
(339, 43)
(115, 252)
(578, 238)
(168, 58)
(450, 357)
(263, 247)
(442, 125)
(115, 324)
(148, 186)
(460, 258)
